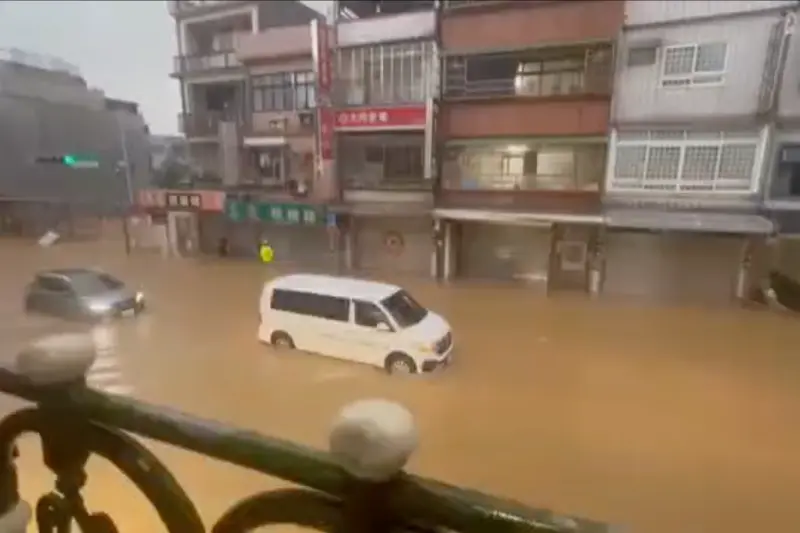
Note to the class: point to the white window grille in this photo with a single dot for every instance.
(694, 64)
(680, 161)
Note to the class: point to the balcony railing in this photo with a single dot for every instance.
(202, 63)
(189, 6)
(377, 183)
(587, 72)
(205, 124)
(358, 487)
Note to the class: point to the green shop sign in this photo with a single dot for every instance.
(275, 213)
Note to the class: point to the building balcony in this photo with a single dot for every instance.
(205, 63)
(185, 7)
(274, 43)
(377, 182)
(530, 174)
(204, 124)
(552, 73)
(281, 123)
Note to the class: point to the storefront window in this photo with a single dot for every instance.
(385, 73)
(525, 166)
(394, 161)
(285, 91)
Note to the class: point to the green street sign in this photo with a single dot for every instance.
(289, 214)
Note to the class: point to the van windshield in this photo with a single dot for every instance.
(404, 309)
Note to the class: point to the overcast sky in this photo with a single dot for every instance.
(124, 47)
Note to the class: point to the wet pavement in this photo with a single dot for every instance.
(659, 419)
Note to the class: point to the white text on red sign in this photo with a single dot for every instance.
(363, 118)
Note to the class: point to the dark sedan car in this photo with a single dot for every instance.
(79, 293)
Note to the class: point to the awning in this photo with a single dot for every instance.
(654, 219)
(265, 141)
(517, 218)
(382, 209)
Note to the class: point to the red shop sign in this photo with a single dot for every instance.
(381, 118)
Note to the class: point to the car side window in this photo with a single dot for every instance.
(310, 304)
(369, 315)
(53, 285)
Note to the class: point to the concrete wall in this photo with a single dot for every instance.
(640, 97)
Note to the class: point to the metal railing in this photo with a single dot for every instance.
(205, 124)
(577, 83)
(202, 63)
(358, 487)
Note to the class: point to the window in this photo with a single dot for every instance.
(684, 161)
(269, 163)
(404, 309)
(369, 315)
(394, 160)
(385, 73)
(786, 183)
(286, 91)
(52, 284)
(94, 283)
(695, 64)
(310, 304)
(524, 166)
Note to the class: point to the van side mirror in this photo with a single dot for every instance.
(383, 326)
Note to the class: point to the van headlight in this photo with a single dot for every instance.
(139, 297)
(99, 308)
(427, 348)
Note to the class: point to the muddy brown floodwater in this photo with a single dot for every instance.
(660, 419)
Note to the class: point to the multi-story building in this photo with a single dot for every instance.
(49, 113)
(385, 80)
(522, 127)
(696, 89)
(782, 197)
(248, 88)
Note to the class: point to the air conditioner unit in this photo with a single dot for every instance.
(306, 118)
(278, 124)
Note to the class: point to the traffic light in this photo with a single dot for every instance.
(69, 160)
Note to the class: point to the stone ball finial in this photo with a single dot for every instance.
(373, 439)
(59, 358)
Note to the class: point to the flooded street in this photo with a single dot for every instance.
(662, 420)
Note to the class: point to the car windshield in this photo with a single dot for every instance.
(404, 309)
(94, 283)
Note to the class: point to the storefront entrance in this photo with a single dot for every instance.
(503, 252)
(395, 245)
(672, 267)
(296, 233)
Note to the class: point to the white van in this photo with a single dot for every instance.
(364, 321)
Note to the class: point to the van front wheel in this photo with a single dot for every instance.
(400, 363)
(282, 340)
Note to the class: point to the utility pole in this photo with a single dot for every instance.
(128, 183)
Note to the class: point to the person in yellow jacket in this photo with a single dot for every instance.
(265, 252)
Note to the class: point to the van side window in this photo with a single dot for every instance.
(309, 304)
(369, 315)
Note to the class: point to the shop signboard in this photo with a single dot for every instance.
(180, 200)
(382, 118)
(290, 214)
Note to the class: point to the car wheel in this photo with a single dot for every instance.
(400, 363)
(282, 340)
